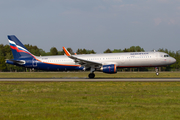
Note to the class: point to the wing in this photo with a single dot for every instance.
(82, 62)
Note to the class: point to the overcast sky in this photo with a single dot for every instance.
(92, 24)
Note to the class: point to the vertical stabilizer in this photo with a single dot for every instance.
(18, 49)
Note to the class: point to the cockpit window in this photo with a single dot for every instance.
(166, 55)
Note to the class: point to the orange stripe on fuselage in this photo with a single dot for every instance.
(59, 64)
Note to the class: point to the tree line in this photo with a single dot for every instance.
(6, 53)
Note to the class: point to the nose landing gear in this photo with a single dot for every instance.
(156, 69)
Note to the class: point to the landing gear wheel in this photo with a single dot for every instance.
(156, 69)
(157, 73)
(91, 75)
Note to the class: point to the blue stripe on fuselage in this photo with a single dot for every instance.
(53, 67)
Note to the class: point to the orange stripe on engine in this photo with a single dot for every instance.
(114, 67)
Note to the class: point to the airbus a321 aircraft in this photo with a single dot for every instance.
(107, 63)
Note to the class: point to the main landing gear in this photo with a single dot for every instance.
(156, 69)
(91, 75)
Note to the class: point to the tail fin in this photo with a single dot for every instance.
(18, 49)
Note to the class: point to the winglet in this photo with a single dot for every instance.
(67, 53)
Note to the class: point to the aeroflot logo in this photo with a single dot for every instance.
(139, 53)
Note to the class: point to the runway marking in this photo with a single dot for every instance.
(96, 80)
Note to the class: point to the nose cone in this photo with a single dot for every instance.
(173, 60)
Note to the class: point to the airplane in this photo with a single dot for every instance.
(107, 62)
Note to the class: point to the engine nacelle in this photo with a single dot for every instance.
(109, 68)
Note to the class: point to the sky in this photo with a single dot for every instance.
(92, 24)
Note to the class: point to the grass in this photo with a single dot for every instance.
(89, 100)
(85, 75)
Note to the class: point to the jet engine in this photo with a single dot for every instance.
(109, 68)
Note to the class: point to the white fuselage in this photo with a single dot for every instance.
(129, 59)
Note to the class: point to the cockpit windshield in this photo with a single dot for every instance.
(166, 55)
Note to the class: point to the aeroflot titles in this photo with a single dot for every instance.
(139, 53)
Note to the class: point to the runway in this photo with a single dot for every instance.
(97, 80)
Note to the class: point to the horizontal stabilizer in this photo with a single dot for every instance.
(20, 62)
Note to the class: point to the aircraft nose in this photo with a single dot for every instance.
(173, 60)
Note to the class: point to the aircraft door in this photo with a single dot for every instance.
(122, 60)
(34, 62)
(157, 57)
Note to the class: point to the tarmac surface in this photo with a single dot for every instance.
(96, 80)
